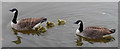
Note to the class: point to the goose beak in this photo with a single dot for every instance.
(10, 10)
(74, 23)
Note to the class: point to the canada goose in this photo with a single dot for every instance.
(92, 32)
(25, 23)
(61, 22)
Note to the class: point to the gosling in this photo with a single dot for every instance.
(41, 29)
(50, 24)
(61, 22)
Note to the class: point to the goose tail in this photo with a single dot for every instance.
(112, 30)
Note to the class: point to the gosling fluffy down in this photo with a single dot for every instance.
(61, 22)
(41, 29)
(50, 24)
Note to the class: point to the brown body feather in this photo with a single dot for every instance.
(94, 32)
(27, 23)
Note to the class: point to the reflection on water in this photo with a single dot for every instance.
(80, 39)
(28, 32)
(18, 41)
(38, 31)
(98, 14)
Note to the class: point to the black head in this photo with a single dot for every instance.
(13, 10)
(77, 22)
(43, 19)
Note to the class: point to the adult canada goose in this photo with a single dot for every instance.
(93, 32)
(25, 23)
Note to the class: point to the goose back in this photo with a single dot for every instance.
(27, 23)
(94, 32)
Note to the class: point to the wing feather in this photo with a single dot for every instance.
(28, 23)
(95, 32)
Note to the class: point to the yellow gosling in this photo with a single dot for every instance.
(41, 29)
(61, 22)
(50, 24)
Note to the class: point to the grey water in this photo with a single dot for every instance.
(104, 14)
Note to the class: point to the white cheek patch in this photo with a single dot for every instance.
(79, 23)
(14, 11)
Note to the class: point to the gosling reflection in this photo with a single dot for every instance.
(79, 40)
(38, 31)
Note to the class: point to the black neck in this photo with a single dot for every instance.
(15, 17)
(81, 27)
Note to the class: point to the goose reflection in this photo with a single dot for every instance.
(18, 41)
(79, 40)
(27, 32)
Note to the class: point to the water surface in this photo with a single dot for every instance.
(93, 14)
